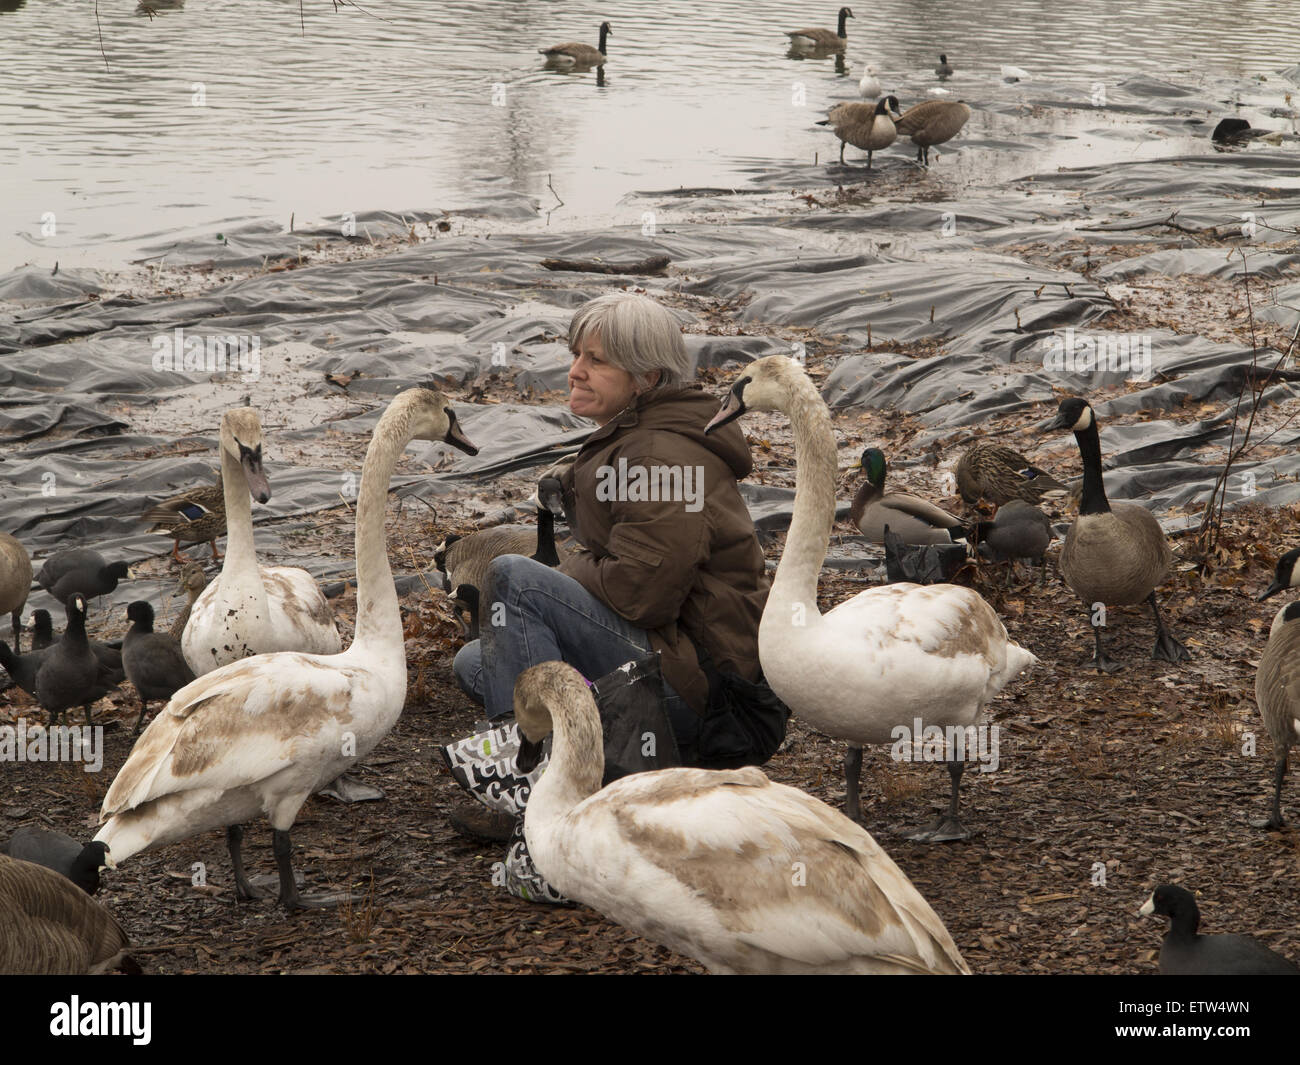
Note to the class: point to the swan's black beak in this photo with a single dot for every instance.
(250, 460)
(1061, 421)
(530, 753)
(455, 437)
(732, 408)
(1272, 589)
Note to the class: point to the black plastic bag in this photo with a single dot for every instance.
(745, 721)
(637, 733)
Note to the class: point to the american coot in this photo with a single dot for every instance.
(1019, 530)
(153, 660)
(255, 738)
(82, 570)
(42, 629)
(70, 674)
(15, 583)
(1115, 554)
(944, 69)
(21, 668)
(700, 860)
(60, 852)
(1184, 953)
(51, 927)
(883, 657)
(109, 654)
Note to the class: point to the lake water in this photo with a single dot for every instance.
(212, 114)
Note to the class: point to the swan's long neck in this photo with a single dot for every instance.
(814, 501)
(1093, 498)
(379, 622)
(577, 764)
(241, 556)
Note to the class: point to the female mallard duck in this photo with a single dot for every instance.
(1277, 682)
(930, 123)
(914, 519)
(579, 55)
(822, 40)
(15, 583)
(196, 517)
(701, 860)
(898, 656)
(996, 474)
(1114, 554)
(255, 738)
(869, 127)
(192, 581)
(250, 609)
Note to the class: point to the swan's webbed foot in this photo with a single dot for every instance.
(290, 897)
(945, 830)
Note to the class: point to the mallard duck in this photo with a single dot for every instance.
(869, 127)
(1185, 953)
(899, 655)
(1277, 681)
(196, 517)
(15, 583)
(251, 609)
(193, 580)
(255, 738)
(579, 55)
(822, 40)
(996, 474)
(930, 123)
(915, 520)
(1114, 554)
(709, 863)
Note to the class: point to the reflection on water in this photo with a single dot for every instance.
(219, 112)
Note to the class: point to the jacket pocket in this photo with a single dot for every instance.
(624, 544)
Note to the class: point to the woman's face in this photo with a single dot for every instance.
(597, 389)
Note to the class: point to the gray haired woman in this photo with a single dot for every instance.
(670, 560)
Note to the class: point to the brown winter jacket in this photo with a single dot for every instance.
(687, 568)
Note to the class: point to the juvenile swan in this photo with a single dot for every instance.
(701, 861)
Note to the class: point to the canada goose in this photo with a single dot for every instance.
(42, 629)
(944, 69)
(197, 516)
(863, 125)
(255, 738)
(701, 860)
(60, 852)
(821, 40)
(579, 55)
(21, 668)
(467, 596)
(463, 560)
(1185, 953)
(915, 520)
(15, 583)
(153, 661)
(51, 927)
(889, 656)
(998, 474)
(81, 570)
(1018, 530)
(69, 674)
(251, 609)
(1277, 682)
(193, 580)
(1114, 555)
(869, 87)
(930, 123)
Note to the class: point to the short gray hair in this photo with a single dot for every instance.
(639, 336)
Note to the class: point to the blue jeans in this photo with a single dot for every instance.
(543, 616)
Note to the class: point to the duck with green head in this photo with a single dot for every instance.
(916, 520)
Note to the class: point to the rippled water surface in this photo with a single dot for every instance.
(416, 105)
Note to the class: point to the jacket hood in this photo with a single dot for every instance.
(686, 412)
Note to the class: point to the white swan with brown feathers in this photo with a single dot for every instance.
(889, 656)
(744, 875)
(250, 609)
(256, 737)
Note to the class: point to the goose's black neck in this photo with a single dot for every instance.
(546, 553)
(604, 34)
(1093, 500)
(843, 32)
